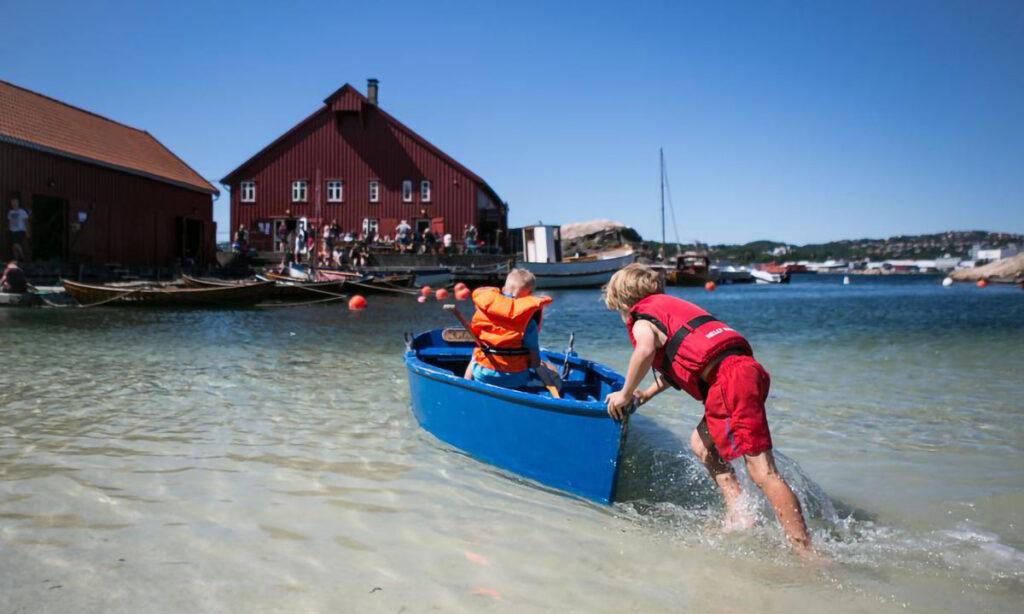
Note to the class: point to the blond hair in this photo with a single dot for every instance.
(518, 279)
(630, 285)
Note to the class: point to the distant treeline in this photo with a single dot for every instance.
(914, 247)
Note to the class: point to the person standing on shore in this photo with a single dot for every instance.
(17, 225)
(693, 351)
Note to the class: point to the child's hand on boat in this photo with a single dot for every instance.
(617, 403)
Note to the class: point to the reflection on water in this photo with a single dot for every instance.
(266, 460)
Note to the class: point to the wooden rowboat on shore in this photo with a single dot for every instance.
(284, 289)
(229, 296)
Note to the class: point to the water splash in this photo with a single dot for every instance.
(663, 486)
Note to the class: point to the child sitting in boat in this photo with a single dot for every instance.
(691, 350)
(507, 323)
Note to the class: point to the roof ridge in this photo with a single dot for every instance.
(71, 106)
(387, 116)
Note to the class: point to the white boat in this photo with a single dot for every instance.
(764, 277)
(579, 274)
(542, 256)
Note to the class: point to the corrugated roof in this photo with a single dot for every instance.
(34, 120)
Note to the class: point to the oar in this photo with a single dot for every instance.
(568, 351)
(541, 371)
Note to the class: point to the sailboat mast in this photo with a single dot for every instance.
(661, 181)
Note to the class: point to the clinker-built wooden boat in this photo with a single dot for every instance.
(284, 290)
(228, 296)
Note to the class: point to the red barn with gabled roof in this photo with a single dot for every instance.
(352, 162)
(97, 192)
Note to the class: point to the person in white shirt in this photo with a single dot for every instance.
(17, 224)
(446, 242)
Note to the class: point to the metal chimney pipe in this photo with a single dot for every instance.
(371, 90)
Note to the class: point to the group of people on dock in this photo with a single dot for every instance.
(351, 248)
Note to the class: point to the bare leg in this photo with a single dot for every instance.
(469, 371)
(736, 517)
(763, 472)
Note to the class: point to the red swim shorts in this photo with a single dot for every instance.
(734, 408)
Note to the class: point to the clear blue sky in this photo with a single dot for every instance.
(795, 121)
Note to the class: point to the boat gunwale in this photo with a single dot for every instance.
(165, 291)
(586, 409)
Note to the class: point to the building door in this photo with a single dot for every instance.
(422, 224)
(190, 240)
(49, 225)
(282, 226)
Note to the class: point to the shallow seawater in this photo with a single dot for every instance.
(266, 460)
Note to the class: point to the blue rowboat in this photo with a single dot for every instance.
(570, 443)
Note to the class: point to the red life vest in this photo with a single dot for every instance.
(694, 338)
(500, 323)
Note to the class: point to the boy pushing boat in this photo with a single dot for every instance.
(693, 351)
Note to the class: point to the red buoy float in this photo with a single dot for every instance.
(357, 303)
(981, 283)
(460, 286)
(462, 294)
(425, 291)
(441, 294)
(709, 286)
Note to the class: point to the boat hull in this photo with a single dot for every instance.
(233, 296)
(588, 274)
(567, 444)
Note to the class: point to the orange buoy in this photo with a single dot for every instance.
(462, 294)
(709, 286)
(421, 299)
(460, 286)
(425, 291)
(441, 294)
(357, 303)
(981, 283)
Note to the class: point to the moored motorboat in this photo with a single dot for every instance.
(691, 269)
(569, 443)
(231, 296)
(591, 272)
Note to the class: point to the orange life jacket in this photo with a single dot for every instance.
(500, 323)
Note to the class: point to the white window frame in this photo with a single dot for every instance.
(425, 191)
(339, 185)
(374, 191)
(300, 191)
(247, 192)
(369, 222)
(407, 191)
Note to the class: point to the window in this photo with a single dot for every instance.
(370, 224)
(406, 191)
(335, 191)
(425, 191)
(374, 191)
(299, 191)
(248, 194)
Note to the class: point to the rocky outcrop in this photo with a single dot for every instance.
(1006, 270)
(594, 236)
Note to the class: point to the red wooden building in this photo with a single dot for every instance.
(97, 191)
(352, 162)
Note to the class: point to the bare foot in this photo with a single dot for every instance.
(738, 519)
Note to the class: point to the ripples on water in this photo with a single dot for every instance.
(247, 460)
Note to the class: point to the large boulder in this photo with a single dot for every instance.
(596, 236)
(1004, 270)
